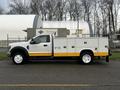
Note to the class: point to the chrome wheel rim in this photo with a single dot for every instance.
(18, 59)
(86, 58)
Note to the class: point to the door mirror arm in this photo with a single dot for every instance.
(32, 41)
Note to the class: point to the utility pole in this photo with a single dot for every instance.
(77, 24)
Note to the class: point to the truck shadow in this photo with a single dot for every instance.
(65, 62)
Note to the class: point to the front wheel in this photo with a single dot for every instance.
(18, 58)
(86, 57)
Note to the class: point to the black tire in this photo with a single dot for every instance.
(18, 58)
(86, 57)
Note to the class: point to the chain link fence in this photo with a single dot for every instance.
(4, 43)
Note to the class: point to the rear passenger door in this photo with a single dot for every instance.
(71, 47)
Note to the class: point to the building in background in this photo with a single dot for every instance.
(72, 26)
(13, 26)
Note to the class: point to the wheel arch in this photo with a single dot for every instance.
(20, 50)
(87, 50)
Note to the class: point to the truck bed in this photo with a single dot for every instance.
(73, 46)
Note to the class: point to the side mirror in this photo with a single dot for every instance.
(32, 41)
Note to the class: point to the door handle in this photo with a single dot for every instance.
(73, 46)
(64, 47)
(45, 45)
(85, 42)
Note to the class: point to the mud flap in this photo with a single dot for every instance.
(107, 59)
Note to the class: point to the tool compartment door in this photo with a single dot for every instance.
(60, 47)
(71, 47)
(103, 47)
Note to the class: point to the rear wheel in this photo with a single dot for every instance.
(18, 58)
(86, 57)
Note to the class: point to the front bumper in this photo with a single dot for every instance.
(8, 54)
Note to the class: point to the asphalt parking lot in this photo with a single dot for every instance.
(60, 75)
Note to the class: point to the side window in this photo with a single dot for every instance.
(42, 39)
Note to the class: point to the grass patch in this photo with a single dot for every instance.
(115, 56)
(3, 56)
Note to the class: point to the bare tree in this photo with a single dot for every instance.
(87, 5)
(96, 17)
(60, 9)
(1, 10)
(111, 15)
(45, 7)
(108, 14)
(36, 6)
(19, 7)
(74, 9)
(116, 8)
(102, 15)
(50, 6)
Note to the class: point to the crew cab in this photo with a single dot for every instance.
(48, 45)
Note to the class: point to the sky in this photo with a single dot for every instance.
(15, 25)
(4, 4)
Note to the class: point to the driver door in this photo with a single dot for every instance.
(40, 46)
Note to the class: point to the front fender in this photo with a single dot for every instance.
(18, 49)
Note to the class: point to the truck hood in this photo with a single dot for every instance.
(19, 44)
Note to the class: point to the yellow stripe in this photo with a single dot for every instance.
(73, 54)
(40, 54)
(101, 54)
(66, 54)
(60, 54)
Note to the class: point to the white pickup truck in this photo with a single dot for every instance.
(46, 45)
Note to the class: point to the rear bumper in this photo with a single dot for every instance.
(110, 54)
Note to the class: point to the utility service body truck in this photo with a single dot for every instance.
(48, 45)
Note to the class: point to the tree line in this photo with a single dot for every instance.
(101, 15)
